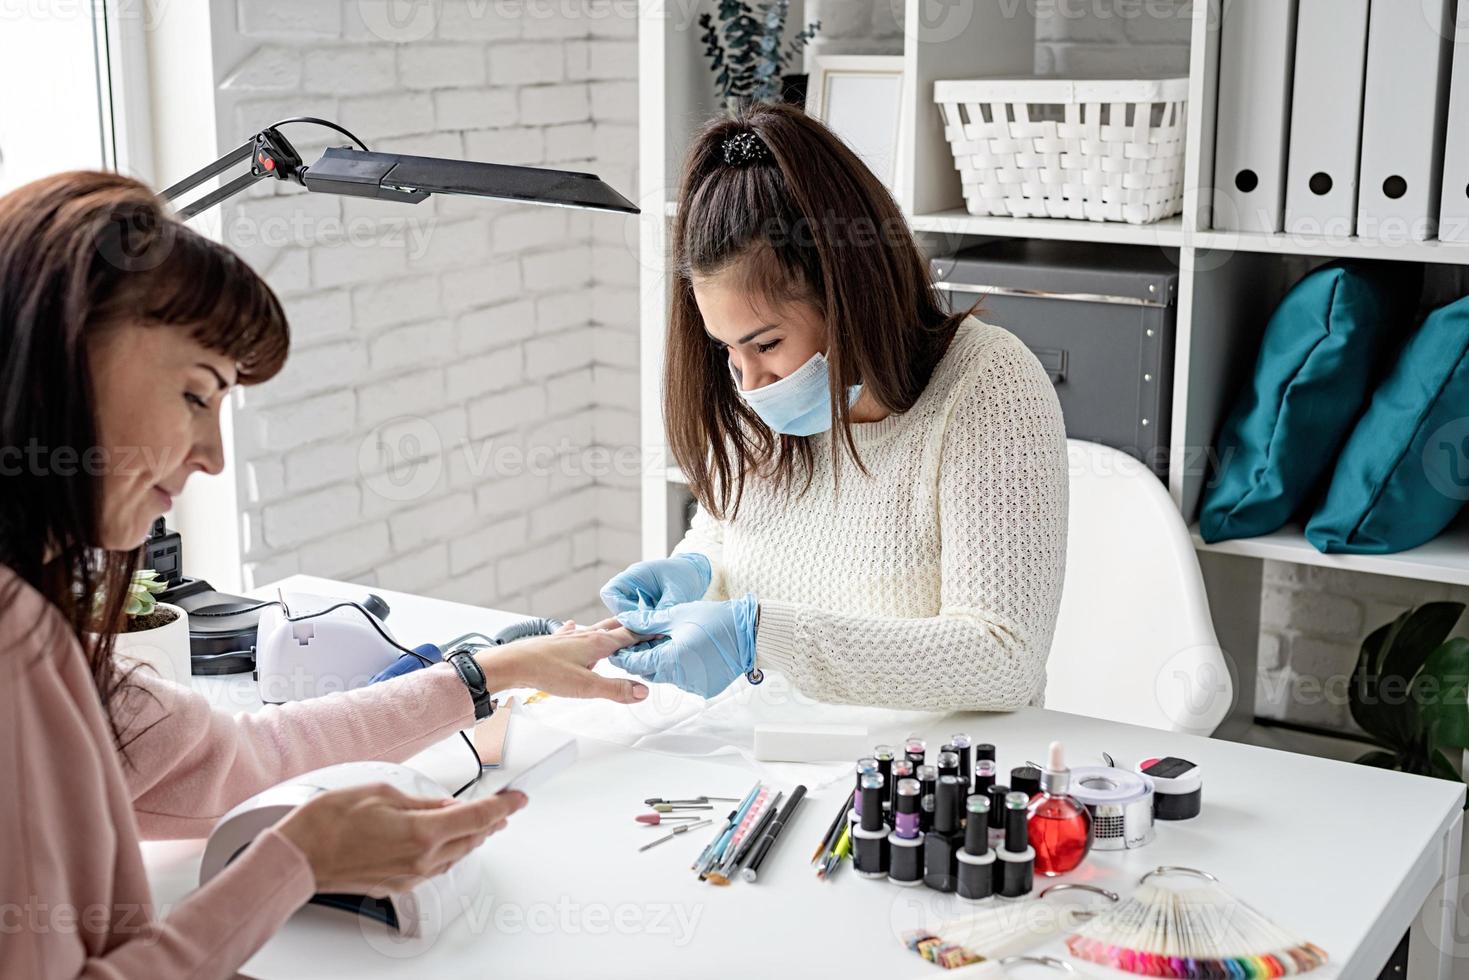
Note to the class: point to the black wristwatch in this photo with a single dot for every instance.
(474, 679)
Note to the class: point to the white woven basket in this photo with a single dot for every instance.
(1105, 150)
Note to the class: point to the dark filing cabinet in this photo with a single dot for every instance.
(1100, 318)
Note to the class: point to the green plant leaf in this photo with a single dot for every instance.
(1441, 768)
(1426, 627)
(1363, 699)
(1441, 694)
(1380, 758)
(133, 607)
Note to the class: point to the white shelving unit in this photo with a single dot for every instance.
(1229, 282)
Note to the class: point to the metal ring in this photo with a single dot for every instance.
(1066, 885)
(1168, 869)
(1047, 961)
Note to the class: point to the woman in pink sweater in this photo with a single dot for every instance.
(121, 332)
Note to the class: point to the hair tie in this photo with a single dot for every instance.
(743, 148)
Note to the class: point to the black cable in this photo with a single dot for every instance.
(321, 122)
(479, 763)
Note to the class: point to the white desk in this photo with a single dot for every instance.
(1343, 855)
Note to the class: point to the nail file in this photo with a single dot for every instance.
(538, 772)
(489, 736)
(810, 743)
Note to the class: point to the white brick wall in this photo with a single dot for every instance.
(442, 425)
(1312, 619)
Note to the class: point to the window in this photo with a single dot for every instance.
(63, 69)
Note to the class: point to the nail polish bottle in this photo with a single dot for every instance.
(928, 781)
(865, 766)
(902, 769)
(1060, 827)
(941, 844)
(976, 860)
(963, 747)
(997, 793)
(870, 836)
(885, 754)
(905, 843)
(948, 762)
(984, 776)
(915, 750)
(1015, 869)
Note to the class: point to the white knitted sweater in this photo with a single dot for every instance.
(932, 583)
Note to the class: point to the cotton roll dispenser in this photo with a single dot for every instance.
(1121, 805)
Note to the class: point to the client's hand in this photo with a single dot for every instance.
(709, 644)
(562, 663)
(659, 583)
(377, 840)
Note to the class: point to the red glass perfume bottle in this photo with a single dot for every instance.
(1060, 828)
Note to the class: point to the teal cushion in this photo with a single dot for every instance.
(1404, 472)
(1313, 375)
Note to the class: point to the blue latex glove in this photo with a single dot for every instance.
(709, 644)
(659, 583)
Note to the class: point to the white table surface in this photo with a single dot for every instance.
(1342, 855)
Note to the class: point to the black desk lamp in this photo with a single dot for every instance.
(392, 176)
(222, 627)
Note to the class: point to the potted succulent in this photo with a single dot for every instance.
(1408, 692)
(154, 633)
(745, 55)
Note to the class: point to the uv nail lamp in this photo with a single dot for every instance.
(319, 646)
(420, 912)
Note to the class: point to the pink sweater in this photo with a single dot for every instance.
(74, 899)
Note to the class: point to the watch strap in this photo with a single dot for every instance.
(474, 679)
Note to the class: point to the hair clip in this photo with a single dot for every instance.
(744, 147)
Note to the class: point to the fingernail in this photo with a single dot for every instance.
(639, 691)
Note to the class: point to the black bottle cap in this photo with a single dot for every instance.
(901, 769)
(946, 805)
(997, 805)
(872, 801)
(907, 796)
(1016, 837)
(976, 827)
(984, 775)
(1026, 779)
(984, 750)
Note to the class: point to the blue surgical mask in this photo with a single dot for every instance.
(798, 404)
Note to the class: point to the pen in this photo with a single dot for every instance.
(767, 840)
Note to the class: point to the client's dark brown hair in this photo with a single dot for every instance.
(808, 221)
(79, 252)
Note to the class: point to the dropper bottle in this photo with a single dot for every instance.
(1060, 828)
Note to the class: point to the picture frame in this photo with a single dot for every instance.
(861, 99)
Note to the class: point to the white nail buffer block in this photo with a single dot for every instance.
(811, 743)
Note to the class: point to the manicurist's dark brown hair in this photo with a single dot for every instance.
(806, 221)
(80, 252)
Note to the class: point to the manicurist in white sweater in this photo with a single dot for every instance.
(881, 484)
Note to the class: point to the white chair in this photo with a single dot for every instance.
(1134, 641)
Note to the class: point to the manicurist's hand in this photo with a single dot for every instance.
(659, 583)
(377, 840)
(709, 644)
(562, 663)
